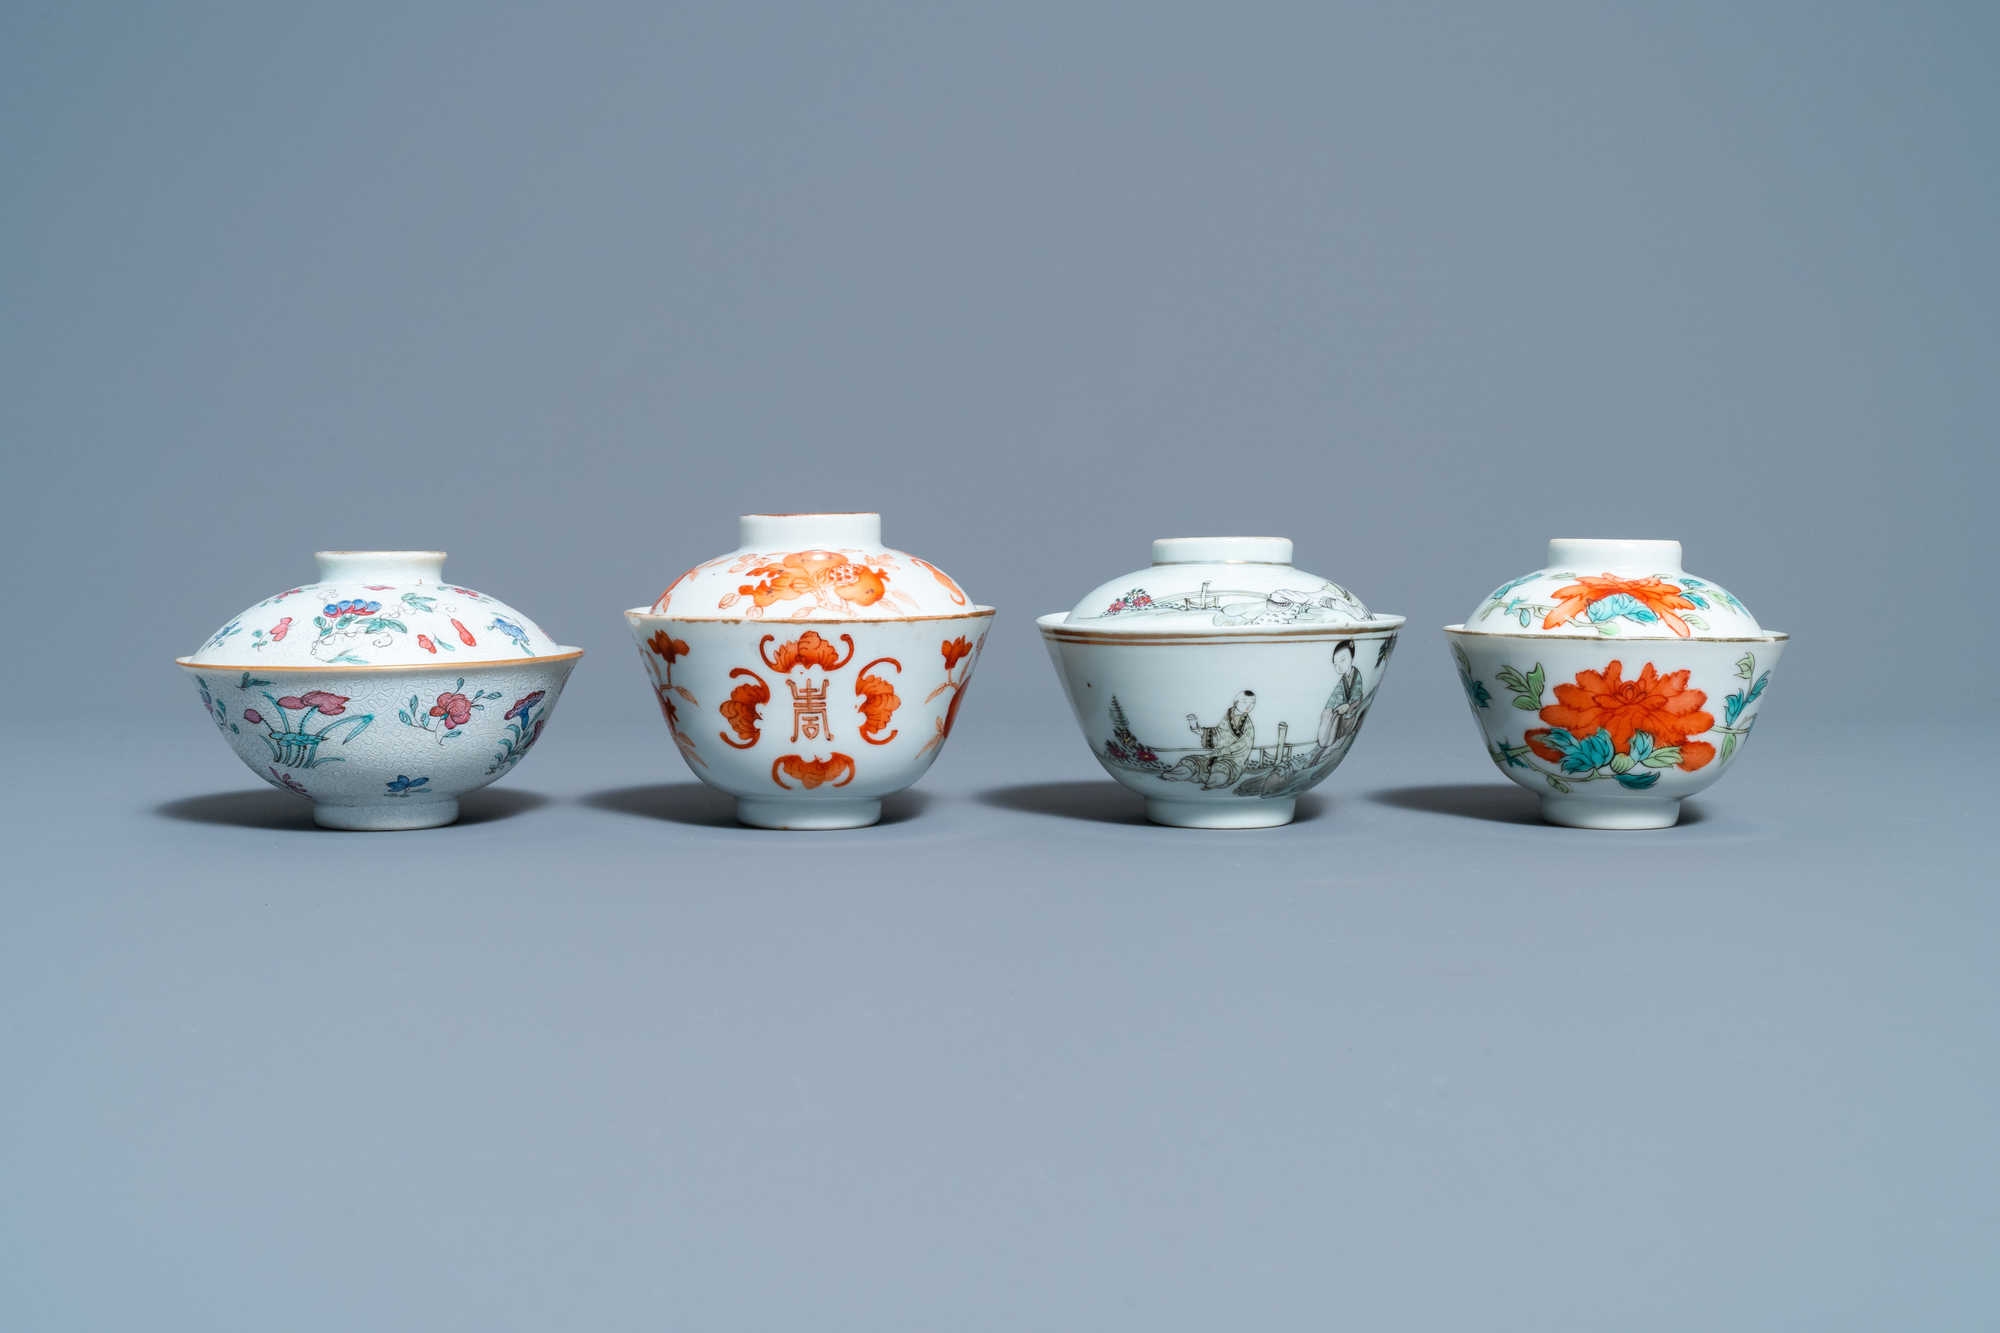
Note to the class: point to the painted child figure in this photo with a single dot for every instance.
(1225, 747)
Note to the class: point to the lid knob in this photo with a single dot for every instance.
(1223, 550)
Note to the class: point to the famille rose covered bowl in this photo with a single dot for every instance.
(1220, 683)
(380, 693)
(811, 671)
(1611, 683)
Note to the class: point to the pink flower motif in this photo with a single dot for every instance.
(330, 704)
(252, 715)
(526, 705)
(378, 587)
(455, 709)
(281, 629)
(424, 642)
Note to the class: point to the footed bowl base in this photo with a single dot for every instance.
(1611, 812)
(385, 818)
(807, 814)
(1217, 814)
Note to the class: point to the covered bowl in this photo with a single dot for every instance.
(811, 671)
(1221, 682)
(380, 692)
(1611, 682)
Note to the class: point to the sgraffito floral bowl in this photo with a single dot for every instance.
(380, 693)
(1611, 683)
(812, 671)
(1221, 683)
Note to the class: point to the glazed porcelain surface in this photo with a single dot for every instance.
(376, 608)
(813, 671)
(392, 741)
(1613, 589)
(815, 567)
(1221, 682)
(1612, 684)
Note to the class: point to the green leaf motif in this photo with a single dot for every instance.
(1555, 782)
(1746, 667)
(1663, 758)
(1621, 763)
(1527, 689)
(249, 680)
(1695, 621)
(1728, 746)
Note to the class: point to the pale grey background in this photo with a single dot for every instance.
(562, 290)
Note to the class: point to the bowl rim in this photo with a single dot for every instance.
(648, 613)
(442, 664)
(1549, 636)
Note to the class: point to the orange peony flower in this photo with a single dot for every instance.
(1661, 706)
(814, 772)
(667, 646)
(955, 649)
(1662, 599)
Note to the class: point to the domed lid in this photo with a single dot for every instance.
(813, 567)
(1631, 589)
(376, 608)
(1221, 584)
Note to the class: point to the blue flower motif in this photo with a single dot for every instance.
(509, 628)
(1641, 746)
(1621, 604)
(1581, 756)
(404, 784)
(352, 607)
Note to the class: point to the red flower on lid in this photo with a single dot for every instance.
(281, 629)
(465, 635)
(424, 642)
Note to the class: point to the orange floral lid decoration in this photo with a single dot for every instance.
(813, 567)
(1608, 588)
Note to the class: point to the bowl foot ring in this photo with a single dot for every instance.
(1611, 812)
(385, 818)
(1241, 813)
(846, 812)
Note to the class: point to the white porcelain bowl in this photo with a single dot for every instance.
(812, 671)
(1612, 684)
(376, 692)
(1221, 683)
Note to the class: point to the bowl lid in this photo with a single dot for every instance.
(806, 567)
(376, 608)
(1601, 587)
(1220, 585)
